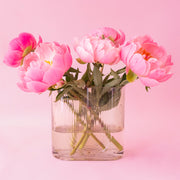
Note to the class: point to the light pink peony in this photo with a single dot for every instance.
(93, 49)
(147, 60)
(44, 67)
(117, 37)
(19, 48)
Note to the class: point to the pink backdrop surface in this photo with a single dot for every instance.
(152, 121)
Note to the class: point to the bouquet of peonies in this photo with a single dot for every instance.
(48, 66)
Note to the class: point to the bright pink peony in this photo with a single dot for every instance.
(117, 37)
(19, 48)
(44, 67)
(147, 60)
(93, 49)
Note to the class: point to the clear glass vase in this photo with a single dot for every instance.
(88, 126)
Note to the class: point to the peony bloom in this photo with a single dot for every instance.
(117, 37)
(44, 67)
(101, 46)
(147, 60)
(19, 48)
(96, 50)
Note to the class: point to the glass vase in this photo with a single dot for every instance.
(88, 126)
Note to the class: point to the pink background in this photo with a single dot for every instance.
(152, 124)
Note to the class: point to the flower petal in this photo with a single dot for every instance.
(84, 55)
(154, 50)
(22, 86)
(148, 82)
(127, 52)
(26, 40)
(13, 58)
(52, 76)
(16, 44)
(35, 74)
(37, 87)
(138, 65)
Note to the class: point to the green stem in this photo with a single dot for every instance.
(97, 140)
(79, 143)
(86, 134)
(111, 138)
(108, 134)
(102, 68)
(84, 141)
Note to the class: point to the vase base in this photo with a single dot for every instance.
(88, 155)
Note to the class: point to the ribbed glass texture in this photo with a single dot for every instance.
(88, 127)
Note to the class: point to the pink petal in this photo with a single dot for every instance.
(160, 75)
(154, 63)
(40, 40)
(45, 51)
(22, 86)
(13, 58)
(168, 61)
(148, 82)
(35, 74)
(65, 57)
(143, 39)
(16, 44)
(126, 52)
(84, 55)
(88, 46)
(155, 50)
(166, 77)
(52, 76)
(121, 39)
(67, 60)
(37, 87)
(28, 59)
(138, 65)
(27, 39)
(111, 57)
(62, 62)
(118, 37)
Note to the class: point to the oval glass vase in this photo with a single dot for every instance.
(87, 124)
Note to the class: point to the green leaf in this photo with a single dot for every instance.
(104, 99)
(131, 76)
(80, 91)
(120, 71)
(124, 77)
(114, 74)
(63, 92)
(123, 83)
(113, 83)
(147, 88)
(50, 93)
(27, 50)
(71, 69)
(80, 61)
(80, 83)
(86, 75)
(97, 76)
(106, 78)
(68, 78)
(110, 99)
(77, 74)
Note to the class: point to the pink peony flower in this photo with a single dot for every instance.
(147, 60)
(19, 48)
(117, 37)
(44, 67)
(93, 49)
